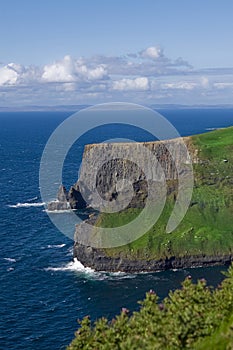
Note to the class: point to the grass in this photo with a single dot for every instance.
(207, 226)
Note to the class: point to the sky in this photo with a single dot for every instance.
(142, 51)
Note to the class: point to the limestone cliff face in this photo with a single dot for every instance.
(107, 165)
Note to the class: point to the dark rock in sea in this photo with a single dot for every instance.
(62, 195)
(62, 202)
(56, 205)
(75, 198)
(68, 200)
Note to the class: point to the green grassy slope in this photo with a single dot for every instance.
(207, 227)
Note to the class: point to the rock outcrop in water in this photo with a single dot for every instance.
(62, 202)
(67, 200)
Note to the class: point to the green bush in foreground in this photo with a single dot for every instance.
(193, 317)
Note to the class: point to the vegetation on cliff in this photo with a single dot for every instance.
(193, 317)
(207, 226)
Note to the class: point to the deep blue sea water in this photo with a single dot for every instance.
(43, 292)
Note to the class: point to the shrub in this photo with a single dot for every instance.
(193, 317)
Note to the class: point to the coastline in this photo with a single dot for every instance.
(99, 261)
(204, 237)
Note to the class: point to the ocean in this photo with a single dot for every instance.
(43, 292)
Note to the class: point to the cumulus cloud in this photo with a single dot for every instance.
(152, 52)
(69, 70)
(8, 75)
(96, 73)
(15, 74)
(149, 72)
(139, 84)
(61, 71)
(149, 62)
(182, 85)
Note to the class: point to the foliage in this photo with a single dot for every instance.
(193, 317)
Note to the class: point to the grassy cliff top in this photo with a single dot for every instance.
(207, 226)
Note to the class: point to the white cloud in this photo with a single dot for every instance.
(68, 87)
(152, 52)
(72, 70)
(96, 73)
(182, 85)
(223, 85)
(61, 71)
(150, 73)
(8, 75)
(140, 84)
(205, 82)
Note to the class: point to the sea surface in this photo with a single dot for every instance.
(42, 291)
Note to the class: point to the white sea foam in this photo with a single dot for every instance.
(77, 266)
(74, 265)
(59, 211)
(56, 245)
(25, 205)
(10, 269)
(70, 251)
(32, 199)
(10, 259)
(211, 129)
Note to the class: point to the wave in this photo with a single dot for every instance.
(32, 199)
(59, 211)
(74, 265)
(26, 205)
(70, 251)
(10, 259)
(77, 266)
(211, 129)
(56, 245)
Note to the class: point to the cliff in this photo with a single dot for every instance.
(205, 235)
(106, 165)
(100, 261)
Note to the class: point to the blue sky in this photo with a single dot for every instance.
(83, 51)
